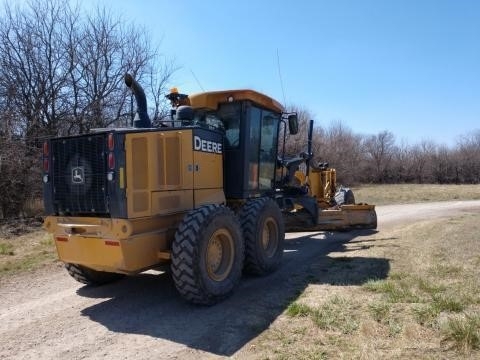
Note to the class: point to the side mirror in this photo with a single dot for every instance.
(293, 124)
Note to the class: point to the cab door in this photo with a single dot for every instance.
(262, 149)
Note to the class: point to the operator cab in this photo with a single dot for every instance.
(250, 122)
(251, 138)
(250, 146)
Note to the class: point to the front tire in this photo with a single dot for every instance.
(91, 277)
(264, 233)
(344, 196)
(207, 254)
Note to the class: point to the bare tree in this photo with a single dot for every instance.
(468, 157)
(341, 148)
(443, 169)
(422, 155)
(295, 144)
(31, 71)
(103, 51)
(158, 85)
(377, 158)
(402, 164)
(62, 73)
(379, 150)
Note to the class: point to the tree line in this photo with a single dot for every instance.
(62, 73)
(380, 158)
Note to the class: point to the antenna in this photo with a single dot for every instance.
(198, 82)
(281, 81)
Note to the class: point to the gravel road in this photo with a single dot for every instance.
(47, 315)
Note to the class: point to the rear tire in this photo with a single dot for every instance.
(207, 255)
(264, 234)
(91, 277)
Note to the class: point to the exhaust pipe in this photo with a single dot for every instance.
(141, 119)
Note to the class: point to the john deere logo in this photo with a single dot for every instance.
(78, 175)
(200, 144)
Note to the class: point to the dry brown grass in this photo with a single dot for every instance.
(24, 246)
(414, 193)
(427, 307)
(26, 253)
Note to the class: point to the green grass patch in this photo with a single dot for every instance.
(297, 309)
(27, 263)
(428, 287)
(6, 249)
(463, 332)
(395, 291)
(28, 259)
(379, 286)
(395, 327)
(428, 296)
(334, 315)
(446, 270)
(426, 314)
(398, 276)
(380, 311)
(446, 303)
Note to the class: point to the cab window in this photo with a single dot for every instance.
(230, 115)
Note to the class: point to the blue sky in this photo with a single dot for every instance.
(410, 67)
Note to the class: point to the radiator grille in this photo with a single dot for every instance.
(79, 175)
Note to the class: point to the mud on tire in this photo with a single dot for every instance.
(264, 234)
(89, 276)
(207, 254)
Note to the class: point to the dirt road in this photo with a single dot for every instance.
(47, 315)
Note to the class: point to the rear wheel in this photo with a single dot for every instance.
(89, 276)
(264, 234)
(207, 254)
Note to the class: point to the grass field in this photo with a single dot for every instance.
(26, 252)
(428, 307)
(414, 193)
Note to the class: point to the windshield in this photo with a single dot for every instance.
(230, 115)
(208, 119)
(226, 119)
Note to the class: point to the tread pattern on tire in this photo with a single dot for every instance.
(249, 215)
(344, 196)
(88, 276)
(186, 272)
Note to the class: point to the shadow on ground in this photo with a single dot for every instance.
(148, 304)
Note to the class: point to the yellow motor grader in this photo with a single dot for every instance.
(208, 192)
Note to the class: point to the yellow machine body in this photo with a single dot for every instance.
(322, 186)
(165, 173)
(113, 245)
(164, 177)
